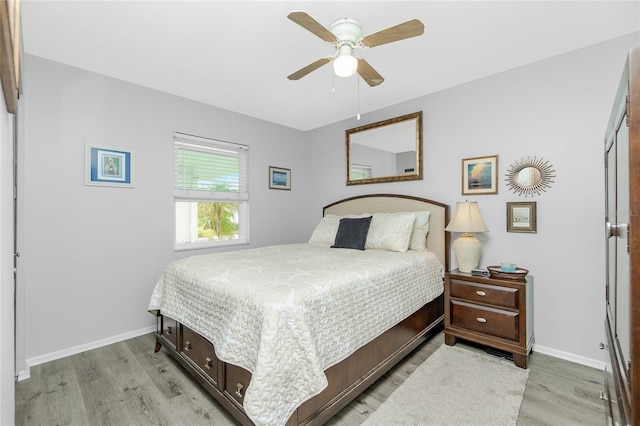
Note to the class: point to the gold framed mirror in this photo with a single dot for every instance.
(530, 176)
(385, 151)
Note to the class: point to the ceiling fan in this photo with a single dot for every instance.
(346, 35)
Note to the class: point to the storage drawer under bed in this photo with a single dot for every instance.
(169, 330)
(200, 352)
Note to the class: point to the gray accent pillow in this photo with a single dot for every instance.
(352, 233)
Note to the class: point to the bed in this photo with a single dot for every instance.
(291, 334)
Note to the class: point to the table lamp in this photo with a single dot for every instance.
(467, 248)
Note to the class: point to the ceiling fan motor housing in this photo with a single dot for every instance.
(346, 30)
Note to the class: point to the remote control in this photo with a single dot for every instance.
(480, 272)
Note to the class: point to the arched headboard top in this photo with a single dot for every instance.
(437, 239)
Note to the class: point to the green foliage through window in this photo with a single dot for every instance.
(210, 192)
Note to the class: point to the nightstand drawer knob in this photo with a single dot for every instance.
(481, 293)
(480, 319)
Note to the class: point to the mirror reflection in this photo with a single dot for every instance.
(385, 151)
(530, 176)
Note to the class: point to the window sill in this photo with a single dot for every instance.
(203, 246)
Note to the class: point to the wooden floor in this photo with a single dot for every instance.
(127, 383)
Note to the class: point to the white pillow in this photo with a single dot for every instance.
(326, 230)
(390, 231)
(420, 230)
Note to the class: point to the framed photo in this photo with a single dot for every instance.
(279, 178)
(480, 175)
(521, 217)
(108, 167)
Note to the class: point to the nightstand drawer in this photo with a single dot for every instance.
(483, 319)
(484, 293)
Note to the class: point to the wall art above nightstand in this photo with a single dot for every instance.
(530, 176)
(522, 217)
(480, 175)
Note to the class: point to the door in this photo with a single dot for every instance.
(622, 263)
(618, 288)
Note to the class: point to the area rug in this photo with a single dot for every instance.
(456, 386)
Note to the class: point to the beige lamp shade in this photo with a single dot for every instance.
(467, 248)
(466, 218)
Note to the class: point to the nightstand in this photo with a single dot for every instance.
(493, 312)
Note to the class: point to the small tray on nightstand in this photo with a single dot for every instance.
(518, 275)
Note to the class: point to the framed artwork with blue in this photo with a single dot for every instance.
(279, 178)
(108, 166)
(480, 175)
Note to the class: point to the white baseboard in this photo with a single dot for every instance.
(25, 374)
(570, 357)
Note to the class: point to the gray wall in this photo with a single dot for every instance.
(7, 371)
(91, 255)
(556, 109)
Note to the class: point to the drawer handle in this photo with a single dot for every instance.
(207, 363)
(187, 346)
(239, 390)
(169, 331)
(480, 319)
(481, 293)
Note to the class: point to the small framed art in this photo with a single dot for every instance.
(521, 217)
(480, 175)
(279, 178)
(108, 167)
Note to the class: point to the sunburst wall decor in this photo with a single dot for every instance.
(530, 176)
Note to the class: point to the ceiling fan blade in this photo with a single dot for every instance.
(311, 67)
(368, 74)
(408, 29)
(304, 20)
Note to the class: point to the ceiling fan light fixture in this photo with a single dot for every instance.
(345, 64)
(345, 35)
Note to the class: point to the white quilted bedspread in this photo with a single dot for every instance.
(288, 312)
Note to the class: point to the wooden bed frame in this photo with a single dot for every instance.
(347, 379)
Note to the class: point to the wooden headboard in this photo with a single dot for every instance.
(437, 239)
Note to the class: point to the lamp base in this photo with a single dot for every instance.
(467, 249)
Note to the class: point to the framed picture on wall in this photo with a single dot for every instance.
(108, 167)
(480, 175)
(279, 178)
(521, 217)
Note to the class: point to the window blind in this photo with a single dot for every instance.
(208, 169)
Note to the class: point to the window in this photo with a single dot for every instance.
(210, 194)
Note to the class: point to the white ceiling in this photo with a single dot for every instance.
(236, 54)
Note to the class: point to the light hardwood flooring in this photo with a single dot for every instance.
(126, 383)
